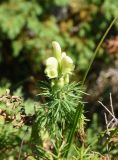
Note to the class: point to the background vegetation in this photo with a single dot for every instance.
(27, 29)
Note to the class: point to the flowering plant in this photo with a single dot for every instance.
(61, 98)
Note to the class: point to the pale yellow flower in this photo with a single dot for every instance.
(51, 67)
(66, 64)
(52, 62)
(51, 72)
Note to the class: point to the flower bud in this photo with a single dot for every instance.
(52, 83)
(61, 82)
(66, 79)
(66, 64)
(57, 50)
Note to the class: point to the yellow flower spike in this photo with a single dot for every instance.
(56, 50)
(60, 65)
(66, 64)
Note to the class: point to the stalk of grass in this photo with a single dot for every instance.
(80, 106)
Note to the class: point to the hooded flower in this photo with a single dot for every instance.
(51, 72)
(66, 64)
(52, 62)
(51, 67)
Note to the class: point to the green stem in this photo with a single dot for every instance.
(96, 51)
(72, 131)
(80, 107)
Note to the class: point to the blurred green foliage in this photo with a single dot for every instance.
(27, 29)
(15, 125)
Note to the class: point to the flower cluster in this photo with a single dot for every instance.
(60, 66)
